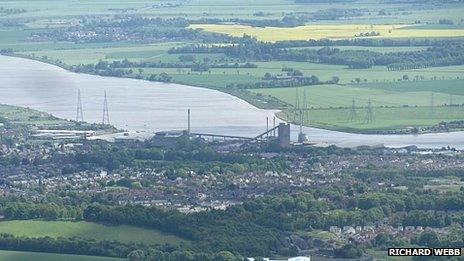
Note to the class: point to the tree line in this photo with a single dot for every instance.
(250, 49)
(63, 245)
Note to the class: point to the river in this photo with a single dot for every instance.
(147, 107)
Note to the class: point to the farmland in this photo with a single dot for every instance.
(385, 119)
(58, 34)
(88, 230)
(78, 55)
(330, 106)
(325, 96)
(320, 31)
(22, 256)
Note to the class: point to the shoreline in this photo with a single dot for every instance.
(244, 95)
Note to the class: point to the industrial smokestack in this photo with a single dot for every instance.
(267, 126)
(273, 126)
(188, 121)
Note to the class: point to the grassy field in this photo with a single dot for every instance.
(18, 115)
(218, 78)
(453, 87)
(330, 105)
(26, 256)
(375, 74)
(158, 53)
(90, 54)
(122, 233)
(384, 118)
(324, 72)
(326, 31)
(334, 96)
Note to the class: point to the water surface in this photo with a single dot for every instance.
(138, 105)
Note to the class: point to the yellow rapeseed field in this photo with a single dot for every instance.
(336, 31)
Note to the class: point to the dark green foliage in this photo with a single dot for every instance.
(156, 255)
(26, 210)
(231, 230)
(348, 251)
(449, 53)
(66, 246)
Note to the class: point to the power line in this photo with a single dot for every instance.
(353, 113)
(296, 104)
(79, 114)
(370, 113)
(305, 107)
(106, 114)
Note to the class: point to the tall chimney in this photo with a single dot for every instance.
(267, 126)
(188, 122)
(273, 126)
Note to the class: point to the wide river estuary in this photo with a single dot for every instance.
(147, 107)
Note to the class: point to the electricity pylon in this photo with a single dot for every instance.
(370, 113)
(79, 114)
(353, 113)
(106, 114)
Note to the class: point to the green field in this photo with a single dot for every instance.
(18, 115)
(158, 53)
(323, 71)
(330, 105)
(89, 54)
(334, 96)
(384, 118)
(26, 256)
(375, 74)
(454, 87)
(121, 233)
(220, 77)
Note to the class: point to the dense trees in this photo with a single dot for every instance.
(66, 246)
(348, 251)
(247, 237)
(255, 233)
(248, 48)
(156, 255)
(133, 252)
(30, 210)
